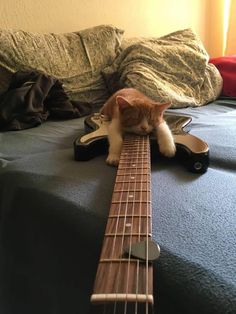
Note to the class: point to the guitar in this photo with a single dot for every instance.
(191, 151)
(124, 279)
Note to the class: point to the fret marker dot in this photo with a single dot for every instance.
(128, 225)
(132, 178)
(131, 195)
(133, 165)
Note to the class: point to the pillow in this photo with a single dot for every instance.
(227, 68)
(76, 58)
(173, 68)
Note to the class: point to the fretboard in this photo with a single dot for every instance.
(122, 278)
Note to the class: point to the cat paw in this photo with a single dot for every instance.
(113, 159)
(168, 150)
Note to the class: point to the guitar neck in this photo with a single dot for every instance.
(123, 281)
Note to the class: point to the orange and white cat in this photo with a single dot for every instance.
(131, 111)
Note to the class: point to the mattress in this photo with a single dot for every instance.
(53, 212)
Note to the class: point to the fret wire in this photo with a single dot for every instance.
(134, 167)
(135, 215)
(139, 156)
(134, 151)
(133, 160)
(133, 163)
(135, 191)
(132, 147)
(125, 222)
(131, 201)
(123, 260)
(127, 234)
(135, 181)
(137, 159)
(125, 168)
(130, 174)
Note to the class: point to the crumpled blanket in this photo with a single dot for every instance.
(33, 97)
(173, 68)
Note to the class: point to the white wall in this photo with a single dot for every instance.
(136, 17)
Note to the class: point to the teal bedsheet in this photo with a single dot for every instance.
(53, 213)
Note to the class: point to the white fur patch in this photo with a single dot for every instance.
(115, 142)
(165, 140)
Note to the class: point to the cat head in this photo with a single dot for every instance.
(140, 116)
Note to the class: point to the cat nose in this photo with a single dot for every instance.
(144, 128)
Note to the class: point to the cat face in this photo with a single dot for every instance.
(139, 116)
(137, 120)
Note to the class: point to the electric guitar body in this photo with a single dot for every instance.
(191, 151)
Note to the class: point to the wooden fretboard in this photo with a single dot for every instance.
(121, 278)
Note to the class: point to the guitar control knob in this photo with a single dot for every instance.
(197, 166)
(96, 115)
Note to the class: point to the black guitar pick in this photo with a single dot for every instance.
(144, 250)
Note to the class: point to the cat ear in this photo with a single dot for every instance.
(162, 107)
(122, 103)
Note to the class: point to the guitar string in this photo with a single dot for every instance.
(129, 251)
(145, 149)
(139, 223)
(142, 175)
(148, 207)
(124, 226)
(124, 152)
(117, 227)
(139, 238)
(115, 238)
(127, 278)
(133, 162)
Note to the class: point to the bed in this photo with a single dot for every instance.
(54, 211)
